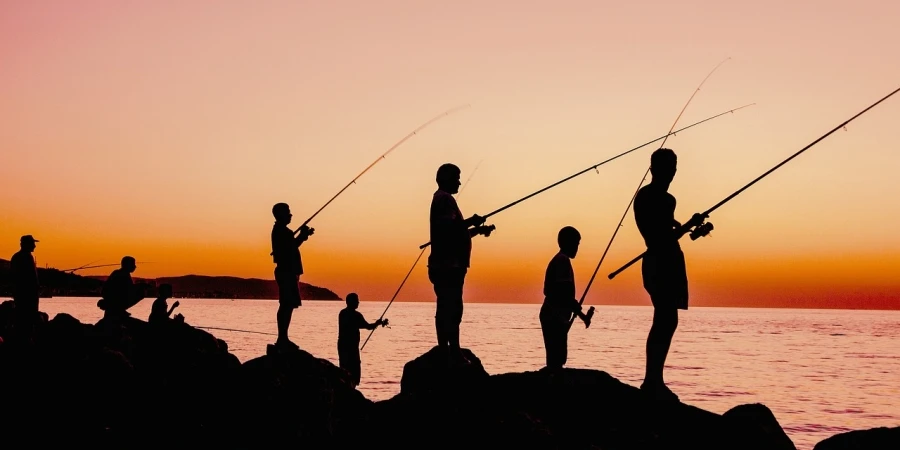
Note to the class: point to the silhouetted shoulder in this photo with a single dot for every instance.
(645, 194)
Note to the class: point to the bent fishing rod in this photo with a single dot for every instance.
(235, 330)
(383, 155)
(595, 166)
(624, 214)
(704, 228)
(101, 265)
(458, 195)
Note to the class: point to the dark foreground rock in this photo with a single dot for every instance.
(570, 409)
(874, 439)
(130, 384)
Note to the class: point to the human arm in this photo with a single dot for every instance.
(484, 230)
(174, 305)
(696, 220)
(304, 233)
(362, 323)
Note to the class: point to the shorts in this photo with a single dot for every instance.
(665, 279)
(288, 289)
(448, 287)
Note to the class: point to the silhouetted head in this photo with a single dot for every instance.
(663, 164)
(165, 290)
(129, 264)
(27, 243)
(282, 213)
(568, 240)
(352, 300)
(448, 178)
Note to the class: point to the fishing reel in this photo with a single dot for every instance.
(701, 230)
(384, 323)
(487, 230)
(589, 316)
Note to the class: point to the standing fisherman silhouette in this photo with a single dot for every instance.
(350, 321)
(559, 299)
(448, 262)
(26, 287)
(288, 268)
(663, 269)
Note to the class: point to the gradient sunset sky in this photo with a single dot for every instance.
(167, 130)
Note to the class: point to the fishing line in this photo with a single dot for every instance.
(705, 228)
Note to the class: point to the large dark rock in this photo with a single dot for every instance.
(127, 383)
(295, 399)
(568, 409)
(111, 383)
(434, 372)
(873, 439)
(756, 423)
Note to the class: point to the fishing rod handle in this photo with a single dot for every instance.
(490, 228)
(629, 264)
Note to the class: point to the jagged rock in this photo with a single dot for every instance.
(433, 372)
(568, 409)
(296, 399)
(756, 422)
(881, 438)
(123, 383)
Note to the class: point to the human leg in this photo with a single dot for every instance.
(288, 300)
(659, 340)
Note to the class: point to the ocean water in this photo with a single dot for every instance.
(821, 372)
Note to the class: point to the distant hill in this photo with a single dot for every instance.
(62, 284)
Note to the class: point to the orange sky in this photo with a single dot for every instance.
(166, 130)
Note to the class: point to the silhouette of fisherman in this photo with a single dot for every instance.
(663, 268)
(26, 287)
(120, 292)
(448, 262)
(559, 299)
(288, 268)
(160, 312)
(350, 321)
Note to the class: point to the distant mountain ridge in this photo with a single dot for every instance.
(55, 282)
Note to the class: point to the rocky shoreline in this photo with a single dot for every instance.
(134, 385)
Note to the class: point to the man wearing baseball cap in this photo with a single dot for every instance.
(26, 289)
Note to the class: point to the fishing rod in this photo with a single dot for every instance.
(101, 265)
(401, 141)
(80, 267)
(458, 194)
(624, 214)
(236, 330)
(394, 297)
(594, 167)
(704, 228)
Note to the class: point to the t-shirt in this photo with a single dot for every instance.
(451, 245)
(349, 323)
(559, 286)
(285, 251)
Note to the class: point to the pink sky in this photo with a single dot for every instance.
(167, 130)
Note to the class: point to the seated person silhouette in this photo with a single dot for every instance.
(559, 299)
(159, 312)
(119, 291)
(350, 321)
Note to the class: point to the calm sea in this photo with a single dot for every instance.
(822, 372)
